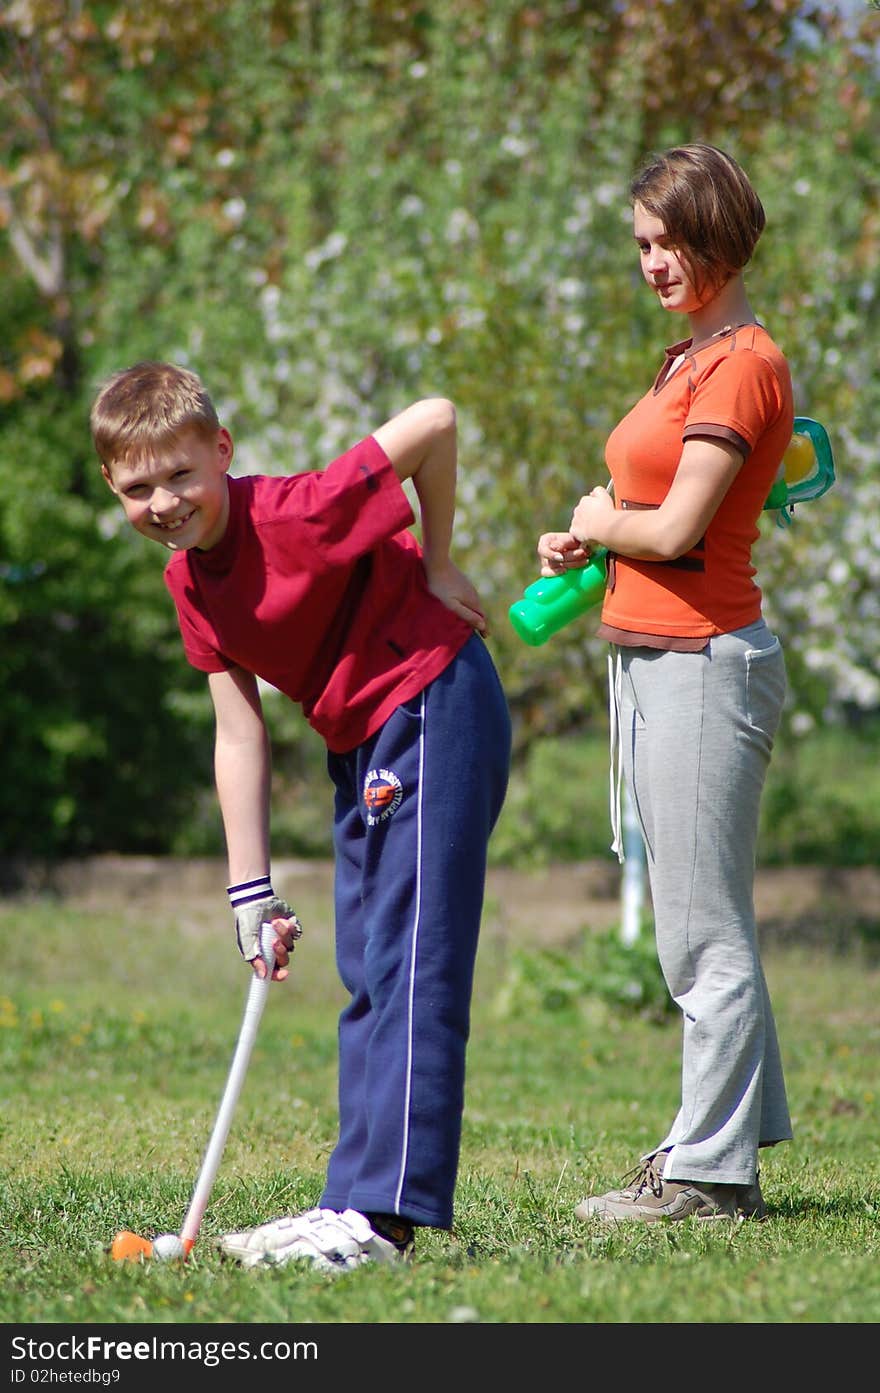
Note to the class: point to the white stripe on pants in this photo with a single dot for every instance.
(697, 730)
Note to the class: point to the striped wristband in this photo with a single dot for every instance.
(250, 891)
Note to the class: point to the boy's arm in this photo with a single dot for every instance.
(242, 769)
(422, 445)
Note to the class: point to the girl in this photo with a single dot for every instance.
(697, 678)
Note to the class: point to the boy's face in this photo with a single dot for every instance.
(179, 498)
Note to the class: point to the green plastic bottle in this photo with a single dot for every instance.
(552, 602)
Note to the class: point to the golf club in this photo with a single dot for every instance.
(130, 1247)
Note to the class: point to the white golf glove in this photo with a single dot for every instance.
(254, 903)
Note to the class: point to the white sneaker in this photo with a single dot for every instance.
(331, 1242)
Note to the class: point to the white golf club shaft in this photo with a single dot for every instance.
(256, 1000)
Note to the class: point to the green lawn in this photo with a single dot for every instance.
(116, 1034)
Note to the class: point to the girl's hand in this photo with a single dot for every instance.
(589, 516)
(559, 551)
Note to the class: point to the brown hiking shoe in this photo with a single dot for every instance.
(750, 1204)
(649, 1198)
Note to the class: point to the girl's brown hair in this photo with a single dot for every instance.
(711, 213)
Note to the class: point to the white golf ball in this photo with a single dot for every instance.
(167, 1247)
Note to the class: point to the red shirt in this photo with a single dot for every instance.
(737, 388)
(317, 588)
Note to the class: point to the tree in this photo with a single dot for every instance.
(329, 210)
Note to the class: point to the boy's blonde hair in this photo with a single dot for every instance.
(144, 408)
(711, 213)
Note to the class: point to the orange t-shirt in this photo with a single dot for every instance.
(734, 387)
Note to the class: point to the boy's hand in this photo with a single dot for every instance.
(452, 586)
(249, 921)
(254, 903)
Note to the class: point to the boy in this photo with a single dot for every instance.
(313, 583)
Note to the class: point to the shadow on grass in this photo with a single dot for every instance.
(838, 1207)
(833, 931)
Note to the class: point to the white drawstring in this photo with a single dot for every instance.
(615, 771)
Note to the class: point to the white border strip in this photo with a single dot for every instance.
(412, 966)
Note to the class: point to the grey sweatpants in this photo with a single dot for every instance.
(696, 731)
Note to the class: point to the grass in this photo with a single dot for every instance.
(115, 1042)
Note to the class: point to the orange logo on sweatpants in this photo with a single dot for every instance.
(383, 793)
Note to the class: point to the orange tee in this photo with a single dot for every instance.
(734, 387)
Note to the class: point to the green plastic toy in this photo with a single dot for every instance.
(807, 467)
(550, 603)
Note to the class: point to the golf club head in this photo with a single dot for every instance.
(130, 1247)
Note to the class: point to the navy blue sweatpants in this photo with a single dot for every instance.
(415, 805)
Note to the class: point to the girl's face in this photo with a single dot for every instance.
(663, 268)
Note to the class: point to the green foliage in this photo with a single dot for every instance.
(814, 811)
(557, 804)
(332, 210)
(89, 663)
(822, 801)
(626, 976)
